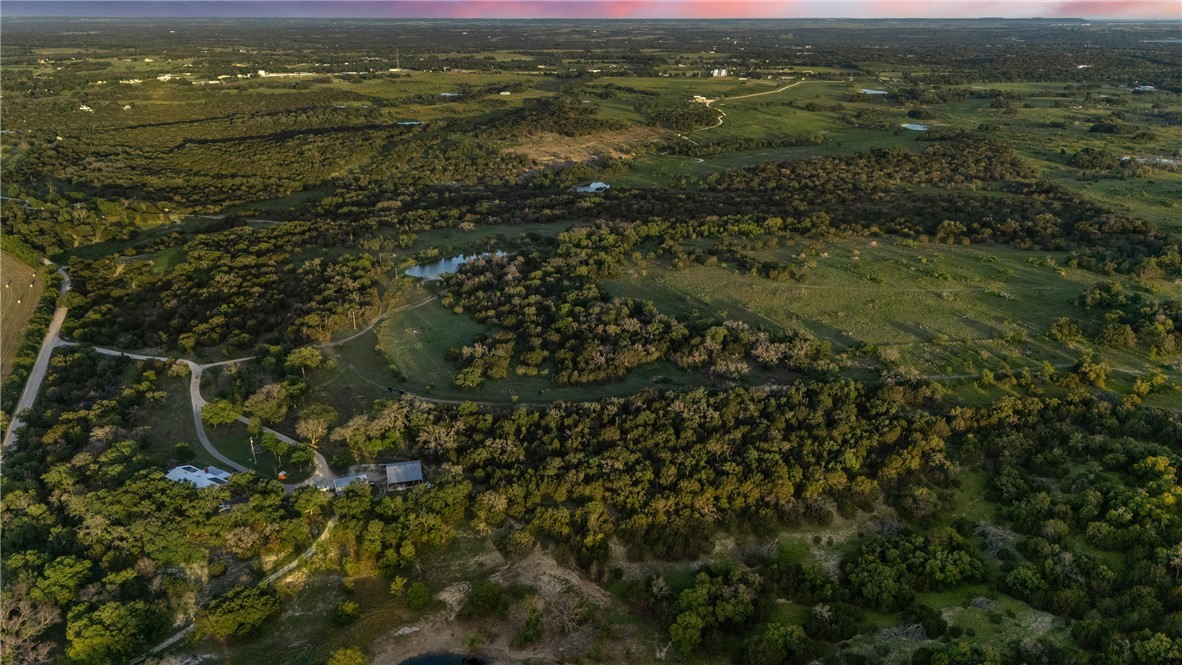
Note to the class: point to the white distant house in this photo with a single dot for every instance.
(339, 484)
(718, 72)
(210, 475)
(84, 107)
(402, 475)
(593, 187)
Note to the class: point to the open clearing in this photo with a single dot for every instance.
(20, 292)
(416, 343)
(550, 148)
(946, 309)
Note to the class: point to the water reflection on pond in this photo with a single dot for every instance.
(443, 266)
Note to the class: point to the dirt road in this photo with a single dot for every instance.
(37, 375)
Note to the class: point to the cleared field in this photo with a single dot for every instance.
(666, 170)
(19, 295)
(944, 310)
(416, 343)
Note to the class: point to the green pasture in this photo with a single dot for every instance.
(943, 309)
(416, 343)
(170, 421)
(668, 170)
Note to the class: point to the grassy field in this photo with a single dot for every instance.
(666, 170)
(233, 441)
(170, 421)
(19, 295)
(416, 343)
(945, 310)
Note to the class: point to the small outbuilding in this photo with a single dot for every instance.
(402, 475)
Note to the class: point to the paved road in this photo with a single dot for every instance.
(40, 366)
(322, 475)
(196, 401)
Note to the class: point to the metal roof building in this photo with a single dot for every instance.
(404, 473)
(341, 483)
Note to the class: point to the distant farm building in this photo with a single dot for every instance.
(210, 475)
(593, 187)
(718, 72)
(339, 484)
(402, 475)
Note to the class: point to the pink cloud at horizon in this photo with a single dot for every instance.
(608, 9)
(705, 9)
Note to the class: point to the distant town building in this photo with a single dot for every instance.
(402, 475)
(210, 475)
(593, 187)
(718, 72)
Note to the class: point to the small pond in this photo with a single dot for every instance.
(872, 91)
(444, 659)
(914, 127)
(434, 269)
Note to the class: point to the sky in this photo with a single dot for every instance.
(609, 9)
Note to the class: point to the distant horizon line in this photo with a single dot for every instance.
(593, 10)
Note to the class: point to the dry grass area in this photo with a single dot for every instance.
(565, 599)
(20, 290)
(548, 148)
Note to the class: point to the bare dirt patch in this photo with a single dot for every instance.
(549, 148)
(572, 609)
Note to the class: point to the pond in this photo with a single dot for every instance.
(914, 127)
(444, 659)
(435, 269)
(872, 91)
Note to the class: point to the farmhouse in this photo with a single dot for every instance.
(402, 475)
(210, 475)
